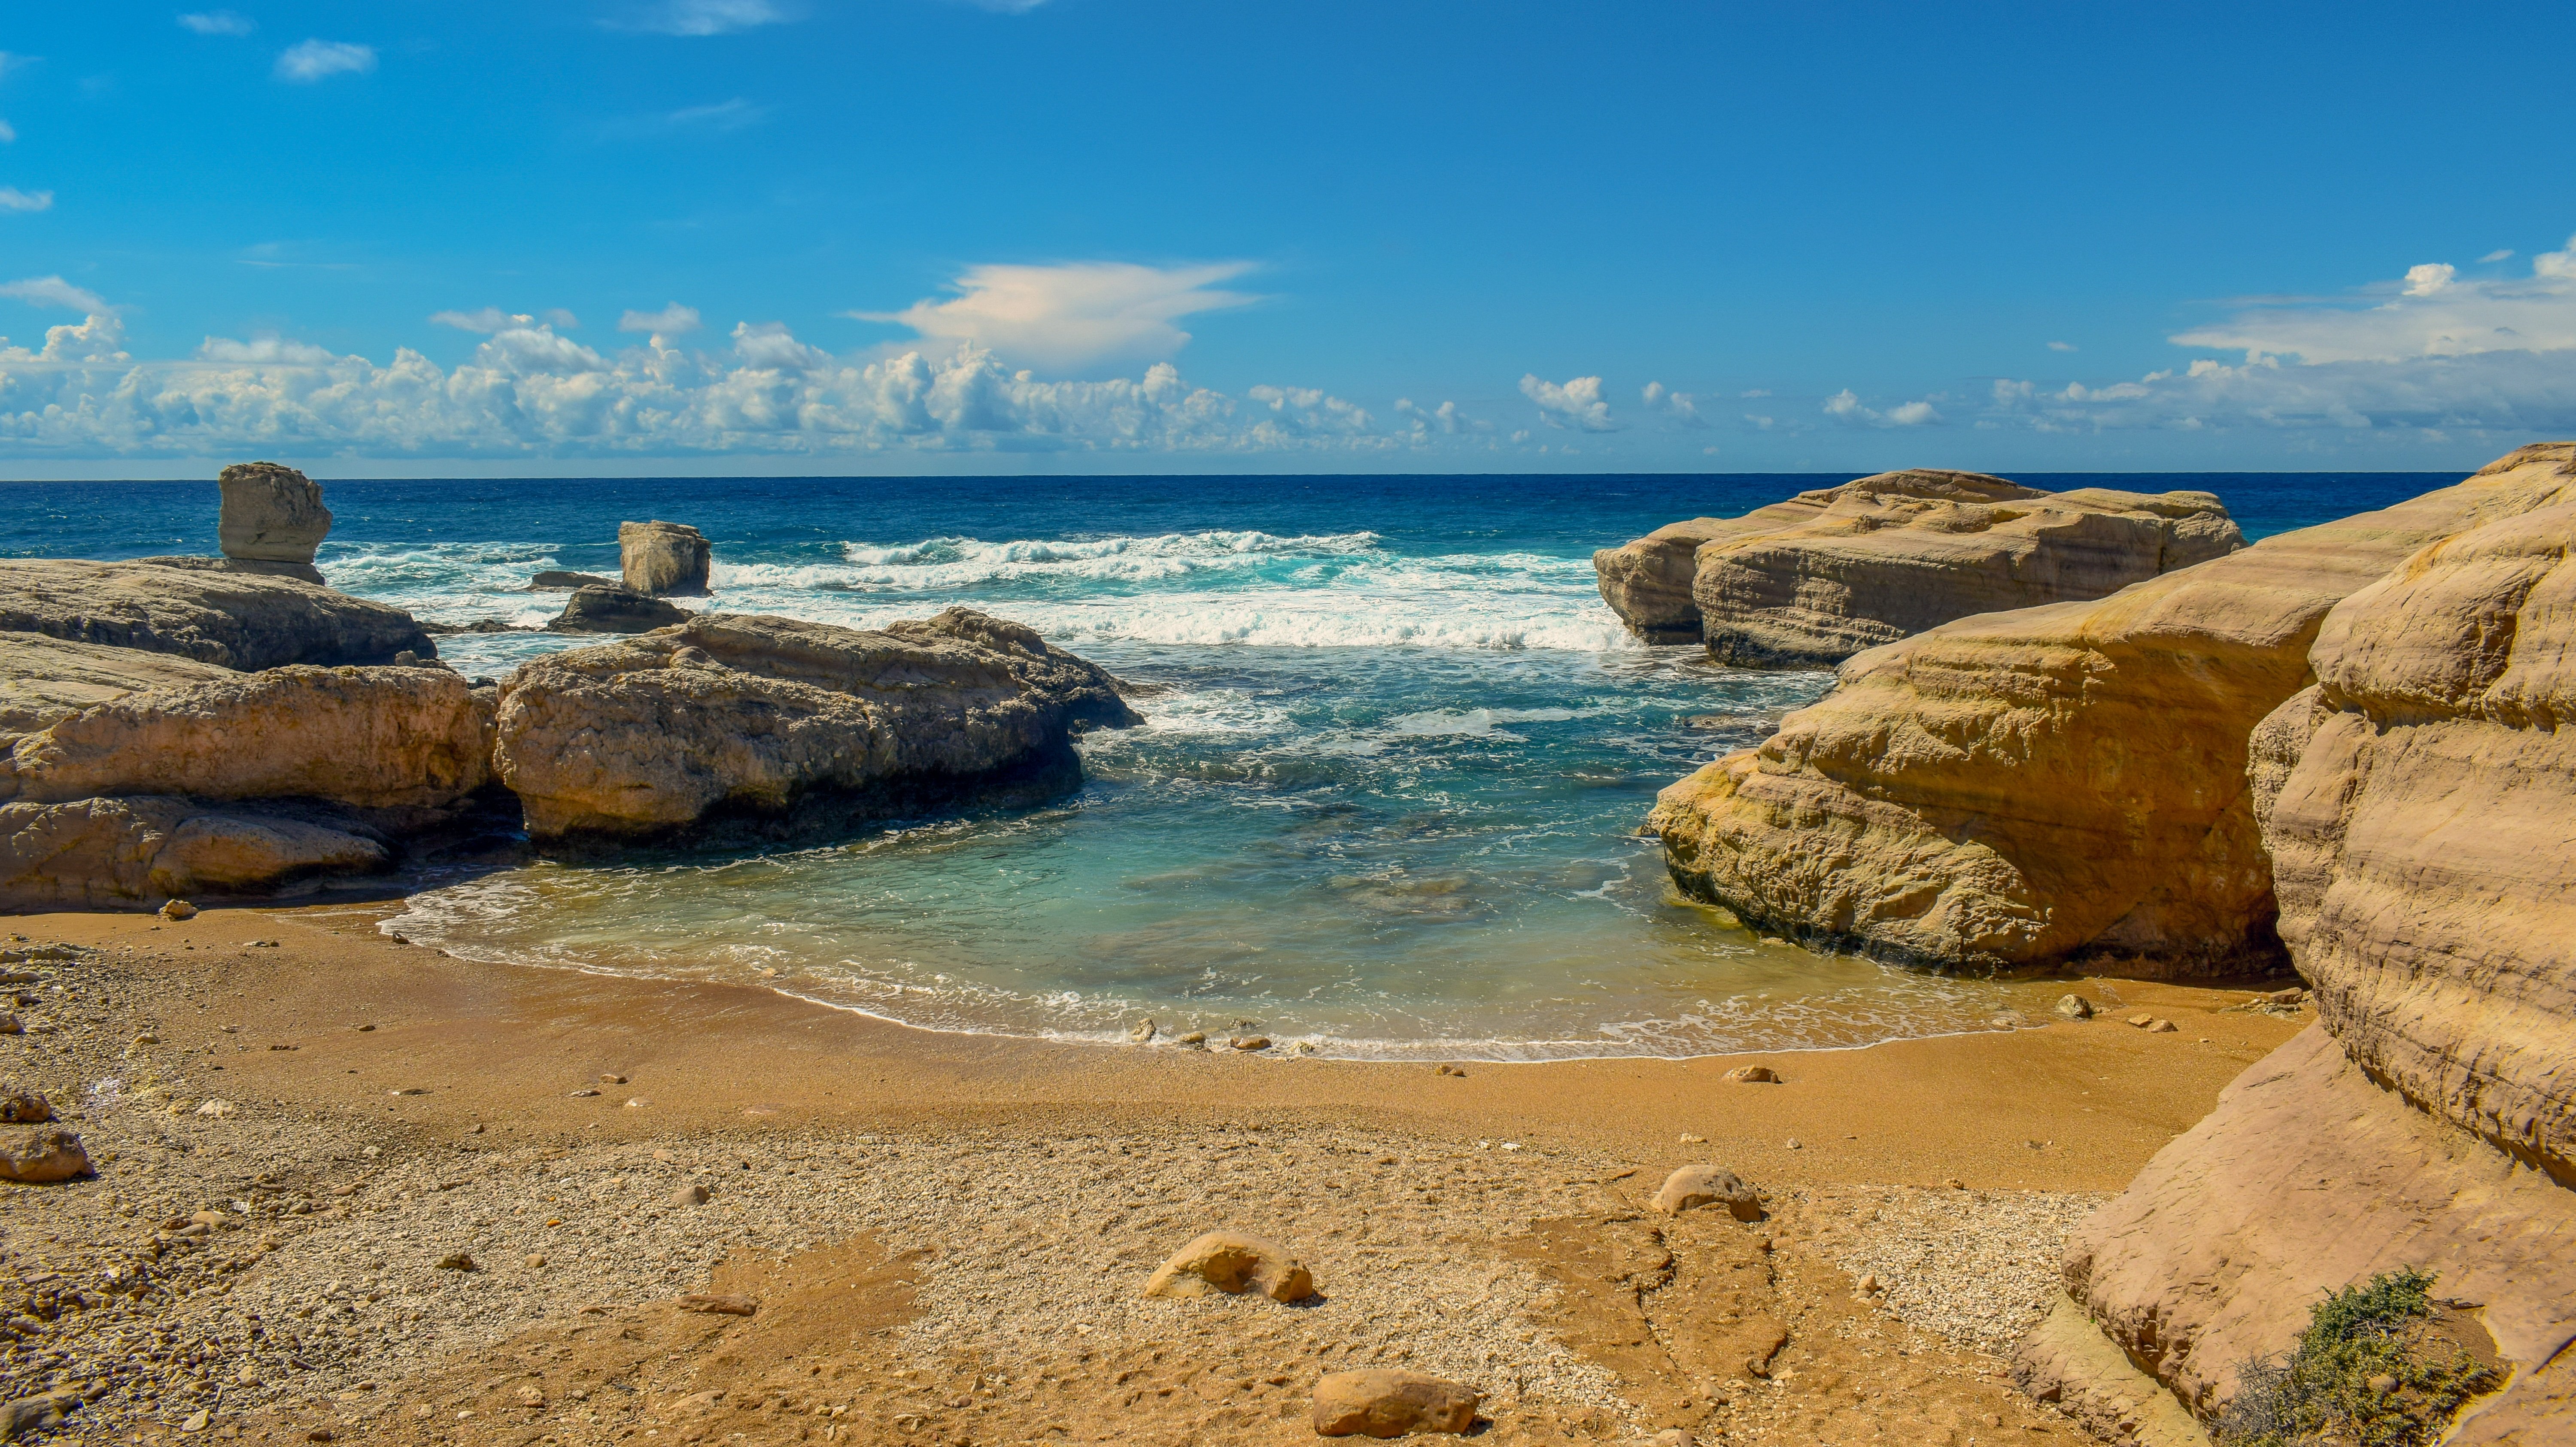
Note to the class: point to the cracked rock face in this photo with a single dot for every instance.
(271, 514)
(2017, 788)
(748, 717)
(45, 679)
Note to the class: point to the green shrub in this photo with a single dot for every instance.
(2370, 1371)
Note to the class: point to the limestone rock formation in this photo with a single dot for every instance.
(42, 1156)
(271, 514)
(1691, 1187)
(1379, 1402)
(2418, 803)
(659, 558)
(615, 610)
(1231, 1261)
(394, 739)
(44, 678)
(236, 620)
(556, 580)
(2017, 788)
(756, 718)
(93, 853)
(1810, 581)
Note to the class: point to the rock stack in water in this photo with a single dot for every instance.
(273, 519)
(2416, 805)
(2017, 788)
(661, 560)
(1811, 581)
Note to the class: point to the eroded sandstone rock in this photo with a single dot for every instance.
(1690, 1187)
(237, 620)
(1810, 581)
(659, 558)
(557, 580)
(615, 610)
(43, 678)
(758, 718)
(1383, 1403)
(2016, 788)
(42, 1156)
(1231, 1261)
(271, 514)
(90, 853)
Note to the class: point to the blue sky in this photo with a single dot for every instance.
(928, 235)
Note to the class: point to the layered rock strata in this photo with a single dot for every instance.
(43, 678)
(735, 718)
(1810, 581)
(96, 853)
(2419, 806)
(235, 620)
(659, 558)
(2014, 789)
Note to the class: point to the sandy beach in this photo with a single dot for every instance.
(945, 1235)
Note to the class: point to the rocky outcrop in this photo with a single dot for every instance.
(729, 718)
(271, 514)
(659, 558)
(386, 739)
(2018, 788)
(615, 610)
(43, 679)
(556, 580)
(102, 853)
(236, 620)
(1810, 581)
(2416, 803)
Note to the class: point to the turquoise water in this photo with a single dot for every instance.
(1384, 803)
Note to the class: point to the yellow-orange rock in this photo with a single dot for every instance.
(43, 678)
(2016, 788)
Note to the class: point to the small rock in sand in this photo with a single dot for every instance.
(1141, 1031)
(580, 1094)
(2075, 1007)
(178, 909)
(12, 1025)
(692, 1194)
(533, 1262)
(19, 1106)
(2142, 1021)
(1451, 1070)
(1250, 1042)
(719, 1305)
(2292, 996)
(1704, 1185)
(606, 1078)
(454, 1261)
(1381, 1403)
(40, 1156)
(1196, 1040)
(2162, 1027)
(1754, 1075)
(1232, 1262)
(217, 1108)
(1694, 1140)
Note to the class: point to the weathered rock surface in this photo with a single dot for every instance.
(43, 678)
(43, 1155)
(1810, 581)
(1230, 1261)
(556, 580)
(1383, 1403)
(615, 610)
(659, 558)
(369, 738)
(271, 514)
(92, 853)
(1691, 1187)
(236, 620)
(739, 716)
(2017, 788)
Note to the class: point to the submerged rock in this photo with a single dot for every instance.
(233, 619)
(658, 558)
(2018, 788)
(734, 717)
(43, 679)
(615, 610)
(1808, 582)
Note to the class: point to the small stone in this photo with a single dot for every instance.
(362, 1029)
(147, 1038)
(719, 1305)
(455, 1261)
(1754, 1075)
(1451, 1070)
(1694, 1140)
(609, 1079)
(2381, 1383)
(1141, 1031)
(178, 909)
(1869, 1284)
(2075, 1007)
(1691, 1187)
(692, 1194)
(534, 1262)
(583, 1093)
(2163, 1027)
(636, 1102)
(43, 1155)
(1795, 1145)
(2142, 1021)
(1671, 1437)
(24, 1107)
(1382, 1403)
(217, 1108)
(2291, 996)
(1250, 1042)
(1231, 1262)
(530, 1396)
(12, 1025)
(1196, 1040)
(195, 1421)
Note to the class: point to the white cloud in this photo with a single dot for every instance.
(1067, 317)
(2502, 253)
(263, 349)
(2429, 278)
(720, 118)
(704, 17)
(13, 199)
(1912, 414)
(1846, 406)
(98, 340)
(2431, 313)
(1682, 407)
(219, 22)
(1006, 7)
(307, 61)
(8, 132)
(53, 291)
(1575, 403)
(2061, 346)
(483, 319)
(1756, 392)
(674, 320)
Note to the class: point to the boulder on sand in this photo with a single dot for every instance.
(233, 619)
(1808, 582)
(658, 558)
(1690, 1187)
(93, 853)
(1230, 1261)
(613, 609)
(42, 1156)
(741, 719)
(2017, 788)
(1378, 1402)
(43, 678)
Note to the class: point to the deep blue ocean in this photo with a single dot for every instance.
(1385, 803)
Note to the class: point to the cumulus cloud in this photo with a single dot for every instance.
(1444, 419)
(53, 291)
(492, 319)
(218, 22)
(2431, 312)
(13, 199)
(703, 17)
(674, 320)
(1682, 407)
(527, 391)
(307, 61)
(1577, 403)
(1070, 316)
(1846, 406)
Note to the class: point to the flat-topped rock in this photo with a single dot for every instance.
(557, 580)
(1810, 581)
(659, 558)
(271, 514)
(43, 678)
(734, 718)
(237, 620)
(2017, 788)
(613, 609)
